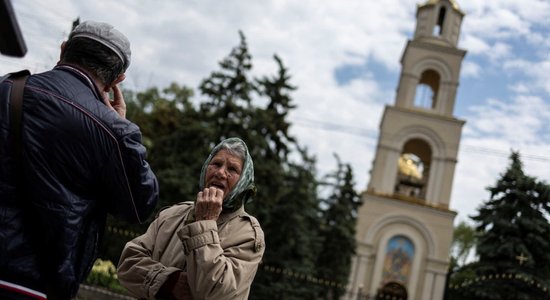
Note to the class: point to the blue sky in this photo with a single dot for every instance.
(344, 58)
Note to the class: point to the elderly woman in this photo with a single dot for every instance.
(206, 249)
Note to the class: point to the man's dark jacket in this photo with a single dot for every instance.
(80, 161)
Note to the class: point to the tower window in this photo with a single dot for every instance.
(438, 28)
(410, 175)
(424, 96)
(426, 91)
(413, 169)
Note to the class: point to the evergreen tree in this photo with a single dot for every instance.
(337, 232)
(291, 238)
(513, 238)
(228, 107)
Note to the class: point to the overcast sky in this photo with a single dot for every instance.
(344, 58)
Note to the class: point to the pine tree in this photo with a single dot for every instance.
(513, 238)
(337, 232)
(228, 92)
(291, 239)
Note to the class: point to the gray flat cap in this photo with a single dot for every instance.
(108, 36)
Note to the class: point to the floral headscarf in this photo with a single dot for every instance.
(245, 189)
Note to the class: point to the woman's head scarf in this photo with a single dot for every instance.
(244, 189)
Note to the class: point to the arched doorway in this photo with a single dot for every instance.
(393, 291)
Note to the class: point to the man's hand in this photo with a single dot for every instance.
(117, 103)
(209, 204)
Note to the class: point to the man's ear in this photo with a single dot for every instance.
(118, 80)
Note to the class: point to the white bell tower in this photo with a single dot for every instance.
(405, 226)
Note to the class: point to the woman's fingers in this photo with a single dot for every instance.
(209, 204)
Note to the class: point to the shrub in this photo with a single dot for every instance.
(103, 275)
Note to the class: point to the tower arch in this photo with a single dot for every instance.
(429, 146)
(394, 225)
(437, 65)
(423, 237)
(413, 169)
(434, 76)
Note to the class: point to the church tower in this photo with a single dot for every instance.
(404, 226)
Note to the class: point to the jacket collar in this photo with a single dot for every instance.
(84, 76)
(224, 217)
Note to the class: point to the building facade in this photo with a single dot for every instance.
(404, 226)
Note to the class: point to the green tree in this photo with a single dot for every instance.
(337, 231)
(464, 240)
(462, 248)
(177, 138)
(228, 91)
(512, 225)
(291, 238)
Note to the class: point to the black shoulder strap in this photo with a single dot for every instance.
(16, 113)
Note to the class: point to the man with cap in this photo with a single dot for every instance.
(72, 159)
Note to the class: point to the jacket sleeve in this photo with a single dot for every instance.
(132, 185)
(137, 271)
(222, 273)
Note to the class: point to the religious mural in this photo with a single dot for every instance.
(398, 260)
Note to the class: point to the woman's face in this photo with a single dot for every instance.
(223, 171)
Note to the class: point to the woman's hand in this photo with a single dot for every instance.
(117, 103)
(209, 204)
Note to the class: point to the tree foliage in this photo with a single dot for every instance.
(177, 142)
(337, 231)
(510, 226)
(463, 246)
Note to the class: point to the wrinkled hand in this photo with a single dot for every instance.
(182, 291)
(117, 103)
(209, 204)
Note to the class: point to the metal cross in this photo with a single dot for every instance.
(521, 259)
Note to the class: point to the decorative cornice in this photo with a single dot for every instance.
(411, 200)
(427, 113)
(425, 43)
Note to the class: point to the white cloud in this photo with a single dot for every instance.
(470, 69)
(499, 51)
(504, 18)
(535, 72)
(475, 45)
(519, 88)
(519, 122)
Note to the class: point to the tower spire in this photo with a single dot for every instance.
(439, 21)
